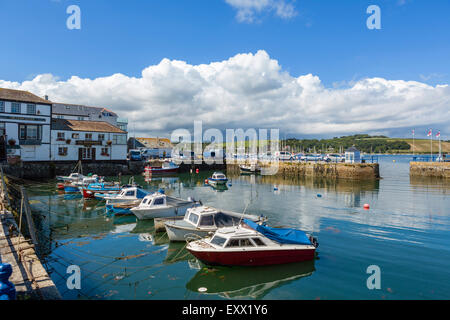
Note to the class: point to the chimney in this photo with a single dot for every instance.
(46, 97)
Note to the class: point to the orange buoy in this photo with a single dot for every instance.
(206, 181)
(366, 206)
(196, 170)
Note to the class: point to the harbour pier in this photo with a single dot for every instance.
(29, 276)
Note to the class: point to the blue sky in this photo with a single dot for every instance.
(328, 39)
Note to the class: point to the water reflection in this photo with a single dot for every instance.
(245, 282)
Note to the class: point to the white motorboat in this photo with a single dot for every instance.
(158, 205)
(217, 178)
(200, 221)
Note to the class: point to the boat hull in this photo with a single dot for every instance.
(71, 189)
(253, 257)
(167, 211)
(217, 182)
(179, 234)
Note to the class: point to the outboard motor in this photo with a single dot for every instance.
(314, 241)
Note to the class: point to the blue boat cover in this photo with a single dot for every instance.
(140, 194)
(280, 235)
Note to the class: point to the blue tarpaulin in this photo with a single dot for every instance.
(280, 235)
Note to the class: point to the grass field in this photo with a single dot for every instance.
(423, 145)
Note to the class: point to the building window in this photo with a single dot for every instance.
(80, 118)
(119, 139)
(86, 153)
(88, 136)
(61, 136)
(31, 109)
(15, 107)
(2, 106)
(2, 129)
(75, 135)
(59, 117)
(62, 151)
(30, 132)
(101, 137)
(105, 152)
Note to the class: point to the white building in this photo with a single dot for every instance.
(73, 140)
(25, 125)
(352, 155)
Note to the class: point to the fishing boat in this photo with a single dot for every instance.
(252, 168)
(251, 244)
(202, 220)
(217, 178)
(166, 167)
(73, 177)
(97, 190)
(160, 205)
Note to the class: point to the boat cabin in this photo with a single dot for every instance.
(233, 237)
(218, 176)
(156, 199)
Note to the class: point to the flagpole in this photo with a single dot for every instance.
(413, 132)
(431, 143)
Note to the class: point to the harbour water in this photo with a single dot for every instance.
(406, 233)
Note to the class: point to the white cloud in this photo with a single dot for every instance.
(251, 90)
(248, 10)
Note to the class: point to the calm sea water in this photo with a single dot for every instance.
(406, 233)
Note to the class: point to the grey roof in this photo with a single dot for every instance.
(352, 149)
(77, 109)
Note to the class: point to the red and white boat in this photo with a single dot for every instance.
(250, 244)
(167, 167)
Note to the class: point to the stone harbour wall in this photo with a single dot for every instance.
(354, 171)
(430, 169)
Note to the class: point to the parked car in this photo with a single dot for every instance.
(283, 155)
(312, 157)
(135, 155)
(334, 157)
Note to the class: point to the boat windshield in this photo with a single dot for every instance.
(193, 218)
(207, 220)
(218, 241)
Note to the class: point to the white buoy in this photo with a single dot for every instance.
(202, 289)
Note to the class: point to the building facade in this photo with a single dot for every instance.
(25, 121)
(73, 140)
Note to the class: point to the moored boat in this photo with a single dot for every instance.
(158, 205)
(123, 208)
(166, 167)
(252, 168)
(250, 244)
(202, 220)
(102, 188)
(126, 195)
(217, 178)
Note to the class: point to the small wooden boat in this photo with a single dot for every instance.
(158, 205)
(217, 178)
(167, 167)
(252, 168)
(200, 221)
(102, 188)
(250, 244)
(123, 208)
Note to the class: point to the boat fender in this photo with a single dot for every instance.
(319, 195)
(366, 206)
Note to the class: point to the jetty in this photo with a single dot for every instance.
(29, 276)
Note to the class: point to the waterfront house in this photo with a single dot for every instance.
(24, 125)
(73, 140)
(352, 155)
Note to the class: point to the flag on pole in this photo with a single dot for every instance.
(429, 133)
(438, 134)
